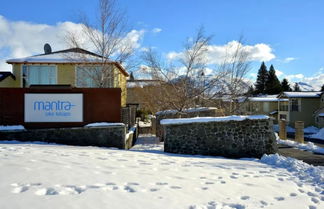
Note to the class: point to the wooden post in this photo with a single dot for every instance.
(282, 129)
(299, 134)
(153, 126)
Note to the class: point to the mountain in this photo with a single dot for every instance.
(305, 86)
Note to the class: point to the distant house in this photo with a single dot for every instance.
(319, 114)
(141, 91)
(76, 67)
(264, 105)
(6, 79)
(300, 106)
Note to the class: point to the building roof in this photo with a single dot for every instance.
(302, 94)
(142, 83)
(5, 74)
(266, 98)
(68, 56)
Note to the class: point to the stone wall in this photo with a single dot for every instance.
(188, 113)
(111, 136)
(245, 138)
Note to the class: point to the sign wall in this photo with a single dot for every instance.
(53, 107)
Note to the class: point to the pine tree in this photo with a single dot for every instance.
(296, 87)
(261, 79)
(272, 85)
(131, 77)
(322, 89)
(250, 91)
(285, 85)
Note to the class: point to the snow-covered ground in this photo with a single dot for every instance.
(59, 176)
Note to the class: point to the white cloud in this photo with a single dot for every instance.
(289, 59)
(294, 76)
(21, 39)
(279, 73)
(156, 30)
(316, 80)
(218, 54)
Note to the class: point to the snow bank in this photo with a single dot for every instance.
(103, 124)
(318, 135)
(212, 119)
(311, 130)
(303, 171)
(12, 128)
(309, 146)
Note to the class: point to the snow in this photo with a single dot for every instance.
(57, 58)
(189, 110)
(12, 128)
(145, 123)
(266, 98)
(311, 130)
(305, 86)
(212, 119)
(319, 134)
(305, 172)
(302, 94)
(308, 147)
(103, 124)
(58, 176)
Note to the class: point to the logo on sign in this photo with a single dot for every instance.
(57, 108)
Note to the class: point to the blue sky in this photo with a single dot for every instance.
(292, 30)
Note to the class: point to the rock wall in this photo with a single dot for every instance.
(188, 113)
(111, 136)
(236, 139)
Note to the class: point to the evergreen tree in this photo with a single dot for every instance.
(250, 91)
(322, 89)
(261, 79)
(131, 77)
(296, 87)
(285, 85)
(272, 85)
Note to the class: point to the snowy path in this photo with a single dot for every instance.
(57, 176)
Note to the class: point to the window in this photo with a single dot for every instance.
(93, 77)
(283, 106)
(282, 117)
(39, 74)
(294, 105)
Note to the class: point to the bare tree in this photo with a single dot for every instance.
(107, 38)
(184, 82)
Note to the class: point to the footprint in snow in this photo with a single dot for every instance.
(46, 191)
(245, 197)
(161, 183)
(175, 187)
(293, 194)
(315, 200)
(312, 207)
(129, 189)
(279, 198)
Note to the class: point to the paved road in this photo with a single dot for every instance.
(307, 157)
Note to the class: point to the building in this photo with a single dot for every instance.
(319, 114)
(6, 79)
(75, 67)
(264, 105)
(300, 106)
